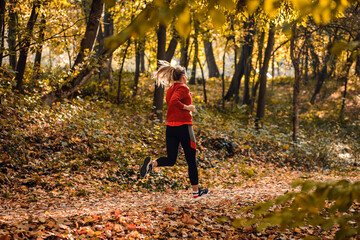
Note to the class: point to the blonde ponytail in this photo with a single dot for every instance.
(167, 74)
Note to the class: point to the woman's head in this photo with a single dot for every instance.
(167, 74)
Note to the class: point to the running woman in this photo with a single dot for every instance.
(179, 127)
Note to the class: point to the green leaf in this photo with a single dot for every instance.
(238, 222)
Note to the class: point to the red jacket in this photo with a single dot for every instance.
(177, 96)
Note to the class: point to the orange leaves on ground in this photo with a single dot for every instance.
(169, 209)
(117, 212)
(187, 219)
(131, 226)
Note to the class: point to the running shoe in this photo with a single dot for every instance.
(146, 167)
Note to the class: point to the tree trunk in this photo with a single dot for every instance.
(323, 75)
(99, 46)
(210, 59)
(196, 53)
(159, 89)
(37, 61)
(184, 52)
(344, 79)
(92, 27)
(255, 85)
(171, 48)
(118, 97)
(25, 45)
(12, 34)
(2, 27)
(76, 80)
(260, 113)
(248, 67)
(245, 57)
(142, 55)
(296, 89)
(223, 76)
(232, 37)
(137, 67)
(357, 66)
(203, 80)
(306, 74)
(108, 31)
(315, 61)
(248, 62)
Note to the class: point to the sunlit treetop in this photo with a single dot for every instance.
(215, 11)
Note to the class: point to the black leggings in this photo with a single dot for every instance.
(183, 134)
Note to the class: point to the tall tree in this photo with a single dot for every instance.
(210, 59)
(357, 66)
(158, 101)
(12, 33)
(255, 85)
(351, 57)
(322, 76)
(162, 54)
(184, 60)
(24, 47)
(172, 47)
(108, 31)
(295, 58)
(344, 78)
(196, 52)
(142, 55)
(248, 62)
(92, 27)
(118, 97)
(223, 75)
(245, 58)
(112, 43)
(203, 80)
(260, 112)
(137, 66)
(39, 47)
(2, 27)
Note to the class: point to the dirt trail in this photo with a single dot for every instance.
(246, 194)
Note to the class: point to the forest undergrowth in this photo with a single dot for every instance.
(91, 148)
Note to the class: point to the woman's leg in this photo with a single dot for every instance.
(172, 148)
(189, 145)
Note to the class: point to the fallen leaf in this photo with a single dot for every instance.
(131, 226)
(187, 220)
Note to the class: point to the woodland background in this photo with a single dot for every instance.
(276, 87)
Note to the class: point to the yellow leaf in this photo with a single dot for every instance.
(326, 16)
(228, 4)
(65, 3)
(324, 3)
(301, 4)
(217, 18)
(252, 5)
(270, 7)
(316, 15)
(183, 23)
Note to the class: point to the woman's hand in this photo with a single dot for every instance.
(190, 108)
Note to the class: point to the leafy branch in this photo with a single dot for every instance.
(323, 204)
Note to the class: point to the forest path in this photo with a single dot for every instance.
(134, 215)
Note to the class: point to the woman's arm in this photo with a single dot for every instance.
(190, 108)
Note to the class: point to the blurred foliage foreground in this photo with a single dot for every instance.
(90, 146)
